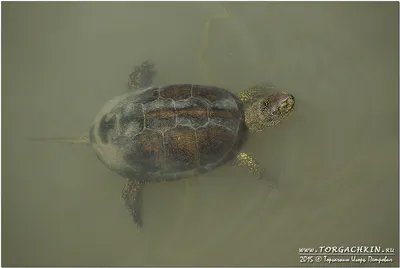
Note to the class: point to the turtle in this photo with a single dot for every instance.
(168, 132)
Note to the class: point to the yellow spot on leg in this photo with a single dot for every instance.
(243, 159)
(249, 94)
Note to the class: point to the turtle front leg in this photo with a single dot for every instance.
(131, 198)
(245, 160)
(142, 76)
(254, 93)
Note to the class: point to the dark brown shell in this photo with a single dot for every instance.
(168, 132)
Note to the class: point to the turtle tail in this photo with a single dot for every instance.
(81, 140)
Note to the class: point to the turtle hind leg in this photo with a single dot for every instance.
(142, 76)
(131, 198)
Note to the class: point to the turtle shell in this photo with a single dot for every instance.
(168, 132)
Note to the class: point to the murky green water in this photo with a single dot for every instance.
(335, 158)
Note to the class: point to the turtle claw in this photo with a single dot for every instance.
(131, 198)
(141, 76)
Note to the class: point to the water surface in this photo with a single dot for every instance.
(335, 158)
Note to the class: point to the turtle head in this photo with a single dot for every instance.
(269, 111)
(275, 107)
